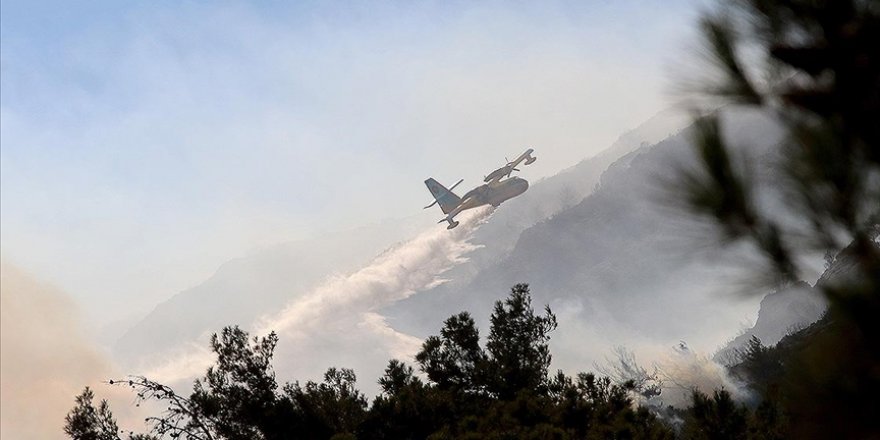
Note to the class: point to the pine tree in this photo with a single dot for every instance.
(519, 354)
(815, 64)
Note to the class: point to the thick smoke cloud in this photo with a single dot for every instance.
(45, 357)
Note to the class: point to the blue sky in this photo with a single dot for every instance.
(143, 144)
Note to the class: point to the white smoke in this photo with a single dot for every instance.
(337, 324)
(685, 371)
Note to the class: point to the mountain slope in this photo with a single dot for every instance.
(617, 267)
(544, 200)
(781, 313)
(245, 289)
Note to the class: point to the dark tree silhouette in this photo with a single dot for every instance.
(716, 418)
(464, 395)
(517, 345)
(88, 422)
(452, 360)
(239, 393)
(815, 64)
(820, 74)
(333, 408)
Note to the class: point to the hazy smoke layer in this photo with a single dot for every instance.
(337, 324)
(45, 359)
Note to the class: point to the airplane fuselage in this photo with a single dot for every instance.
(490, 194)
(497, 192)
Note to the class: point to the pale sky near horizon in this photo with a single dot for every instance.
(144, 144)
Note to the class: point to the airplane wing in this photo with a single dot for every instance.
(506, 170)
(527, 156)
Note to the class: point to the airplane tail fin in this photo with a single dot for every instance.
(446, 198)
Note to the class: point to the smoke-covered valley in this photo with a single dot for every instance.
(214, 220)
(598, 242)
(251, 291)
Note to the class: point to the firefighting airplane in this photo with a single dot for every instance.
(499, 186)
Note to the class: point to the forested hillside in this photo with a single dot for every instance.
(621, 263)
